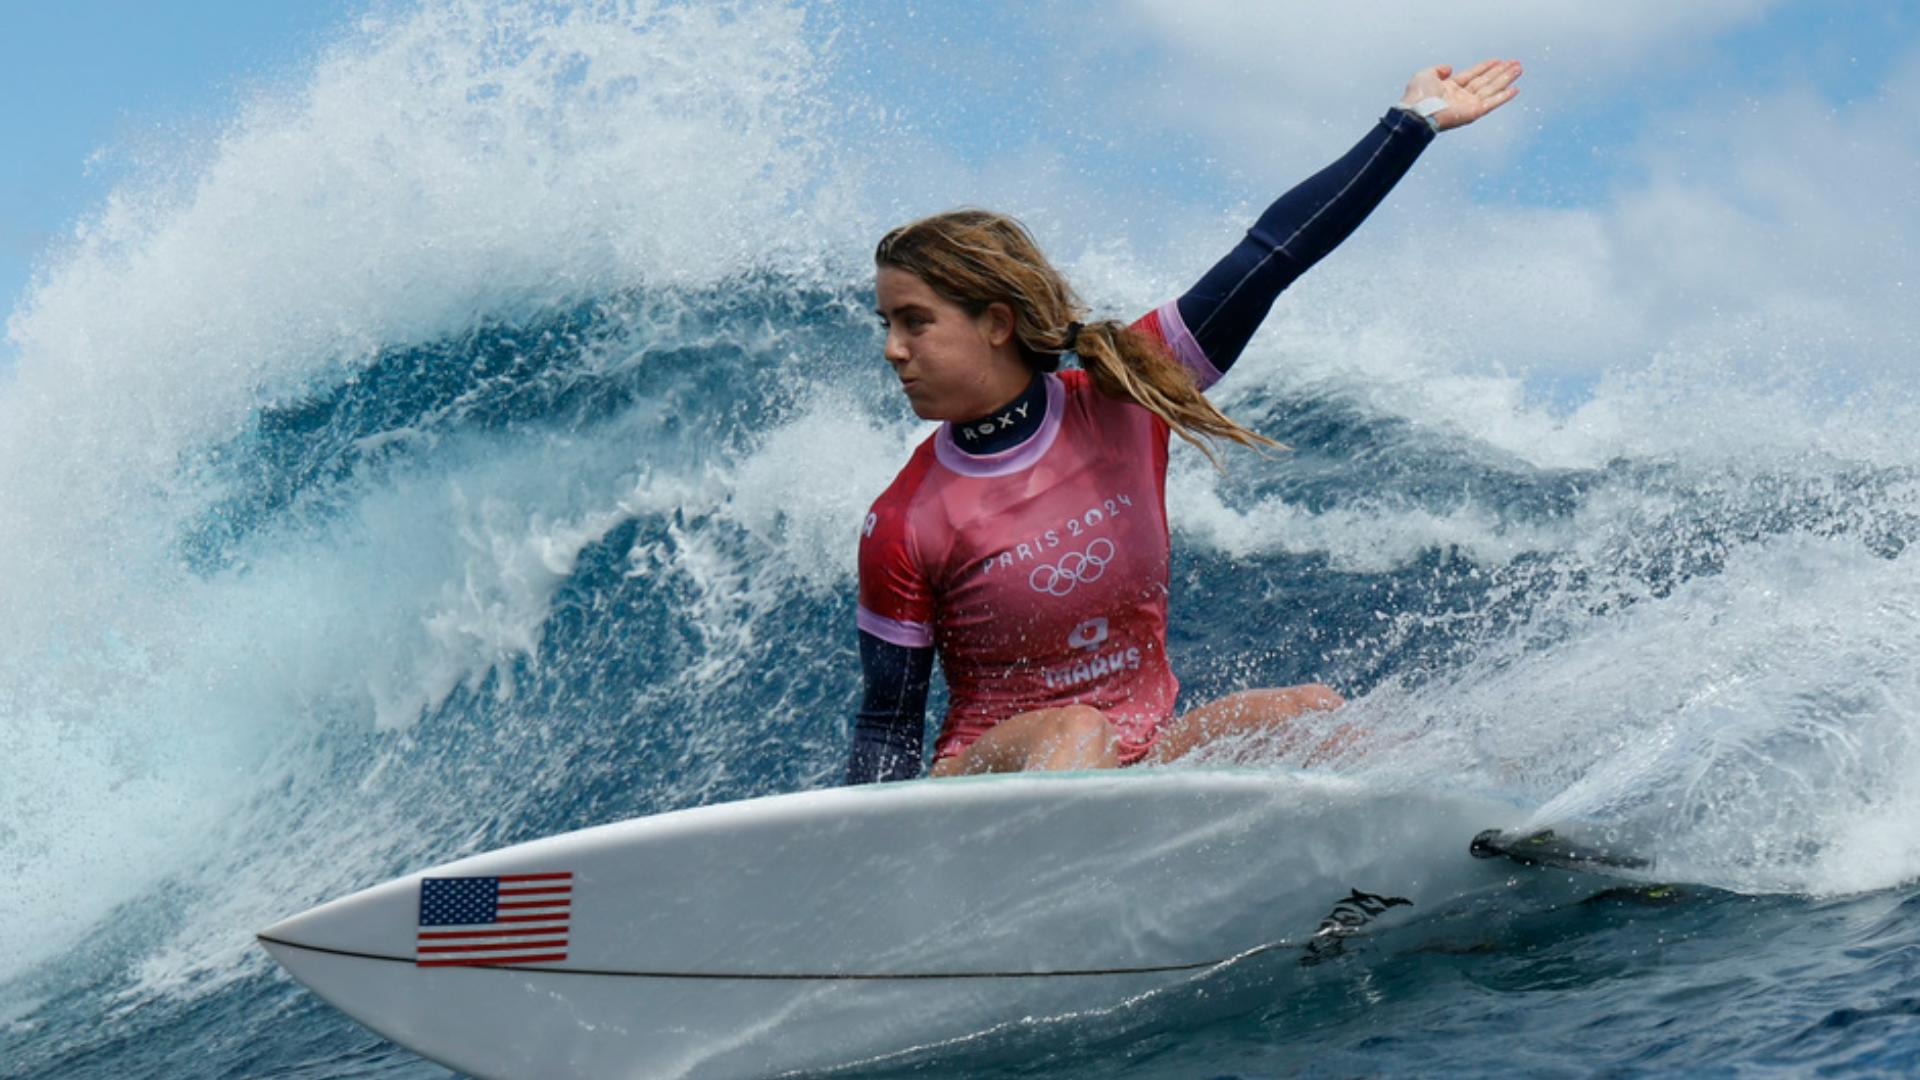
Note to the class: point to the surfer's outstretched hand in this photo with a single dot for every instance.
(1469, 95)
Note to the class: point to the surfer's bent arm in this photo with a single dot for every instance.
(1227, 305)
(890, 728)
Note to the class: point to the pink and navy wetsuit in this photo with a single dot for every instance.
(1029, 548)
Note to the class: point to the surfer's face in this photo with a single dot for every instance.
(953, 364)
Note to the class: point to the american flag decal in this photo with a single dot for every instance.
(510, 919)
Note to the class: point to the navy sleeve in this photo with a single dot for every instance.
(1227, 305)
(891, 726)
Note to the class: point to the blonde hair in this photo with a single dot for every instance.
(975, 258)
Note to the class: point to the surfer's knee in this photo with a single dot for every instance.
(1083, 723)
(1077, 737)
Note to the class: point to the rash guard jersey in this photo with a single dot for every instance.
(1038, 573)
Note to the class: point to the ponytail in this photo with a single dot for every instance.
(1126, 364)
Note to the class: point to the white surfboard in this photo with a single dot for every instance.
(815, 929)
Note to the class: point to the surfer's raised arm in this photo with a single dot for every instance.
(1027, 536)
(1229, 302)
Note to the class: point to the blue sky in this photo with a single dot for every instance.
(81, 77)
(1637, 114)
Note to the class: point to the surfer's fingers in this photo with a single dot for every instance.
(1494, 78)
(1507, 76)
(1474, 72)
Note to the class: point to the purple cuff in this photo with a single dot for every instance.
(907, 635)
(1185, 348)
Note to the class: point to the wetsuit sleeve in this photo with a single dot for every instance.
(895, 616)
(1209, 326)
(890, 729)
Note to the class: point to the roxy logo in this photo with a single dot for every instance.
(1059, 579)
(872, 521)
(976, 432)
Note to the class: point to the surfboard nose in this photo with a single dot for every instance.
(283, 930)
(374, 922)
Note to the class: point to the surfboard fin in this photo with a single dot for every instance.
(1545, 847)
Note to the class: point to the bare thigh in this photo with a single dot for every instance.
(1074, 737)
(1254, 710)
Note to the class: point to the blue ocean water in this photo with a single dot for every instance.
(470, 447)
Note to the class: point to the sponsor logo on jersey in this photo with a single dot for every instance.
(1089, 634)
(1093, 668)
(976, 432)
(1088, 637)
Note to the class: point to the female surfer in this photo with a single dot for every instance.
(1026, 539)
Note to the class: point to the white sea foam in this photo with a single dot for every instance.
(466, 160)
(1750, 729)
(1355, 537)
(813, 478)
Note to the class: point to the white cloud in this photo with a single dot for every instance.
(1754, 227)
(1288, 74)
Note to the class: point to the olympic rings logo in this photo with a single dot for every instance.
(1060, 578)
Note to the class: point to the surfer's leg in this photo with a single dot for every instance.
(1074, 737)
(1254, 710)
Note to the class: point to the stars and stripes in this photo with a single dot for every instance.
(510, 919)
